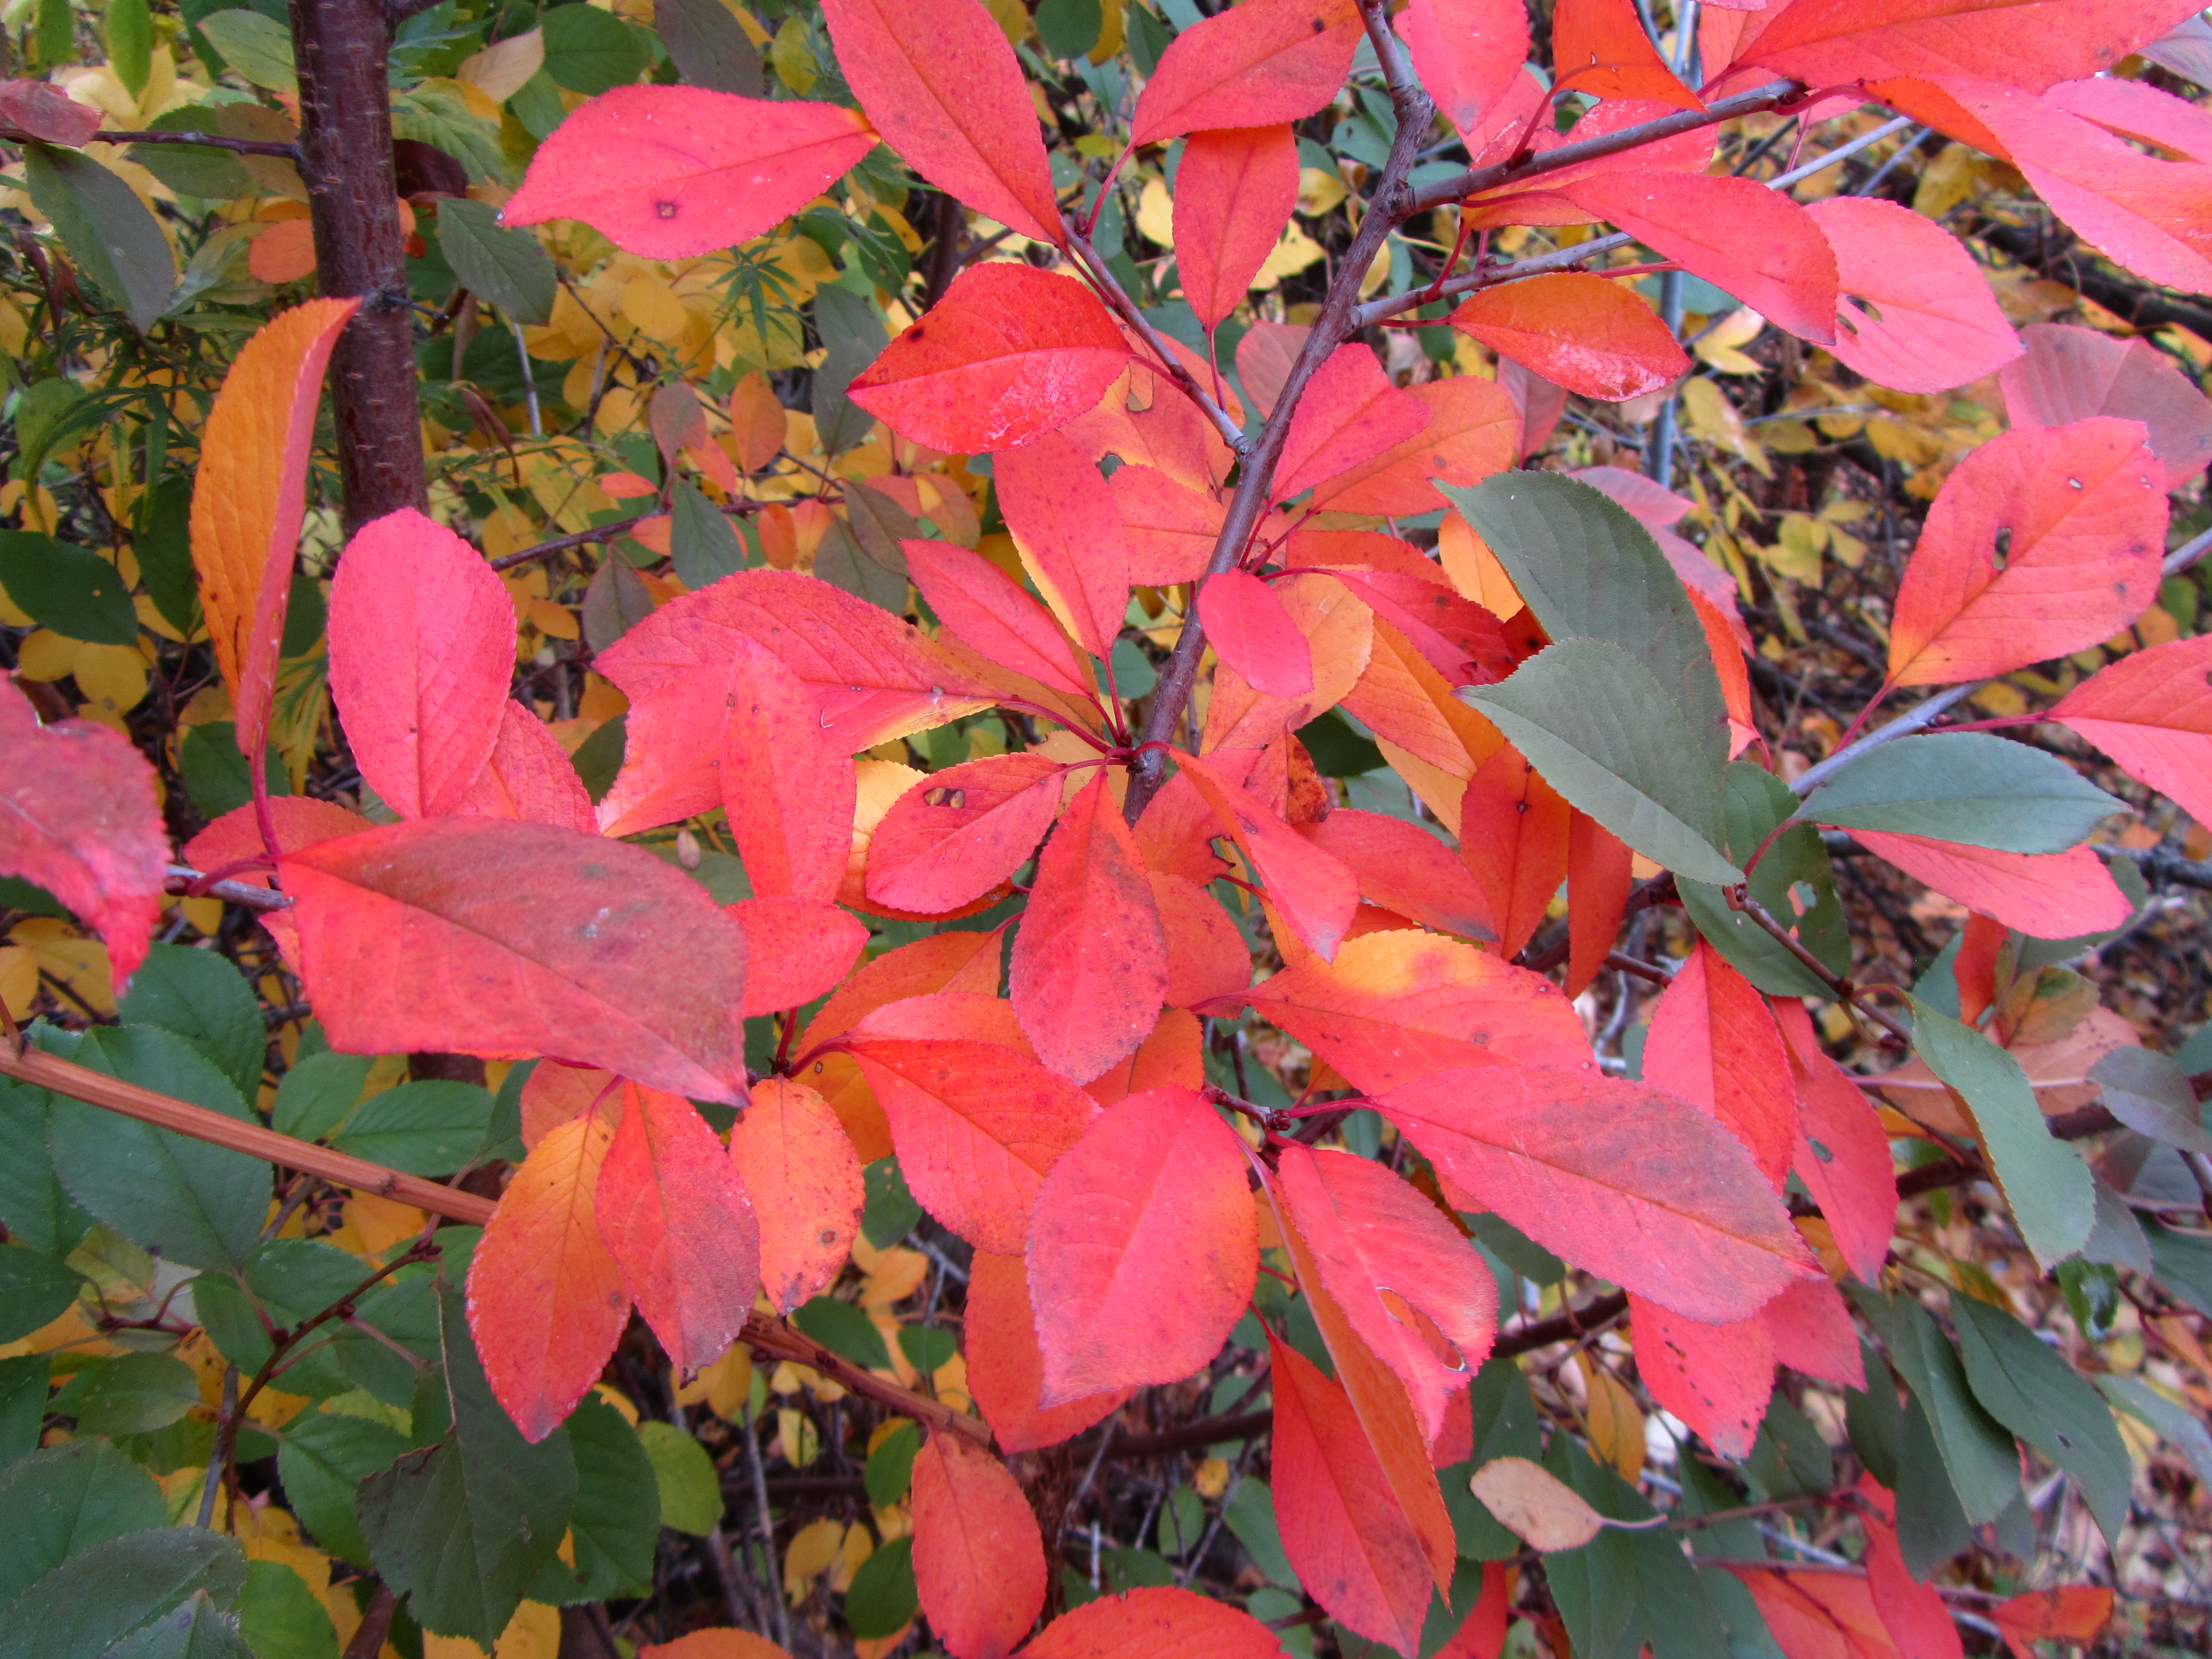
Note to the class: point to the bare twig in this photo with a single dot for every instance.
(1103, 280)
(284, 148)
(1918, 720)
(182, 878)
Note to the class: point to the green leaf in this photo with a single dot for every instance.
(891, 1213)
(204, 999)
(279, 1617)
(35, 1290)
(2151, 1095)
(47, 412)
(462, 1527)
(2044, 1180)
(591, 51)
(1589, 570)
(127, 29)
(1590, 717)
(130, 1394)
(1505, 1425)
(926, 1346)
(2182, 1264)
(1794, 874)
(1069, 28)
(1789, 1459)
(1623, 1589)
(844, 1330)
(324, 1458)
(691, 1489)
(889, 1473)
(95, 1599)
(430, 1128)
(106, 229)
(34, 1204)
(504, 266)
(708, 47)
(164, 548)
(1970, 788)
(2170, 1420)
(616, 1518)
(440, 116)
(259, 47)
(616, 600)
(193, 1630)
(195, 1203)
(599, 756)
(22, 1408)
(1931, 1522)
(1875, 1419)
(317, 1094)
(853, 335)
(289, 1282)
(215, 774)
(1975, 1450)
(71, 590)
(2046, 1402)
(701, 539)
(1248, 1512)
(213, 175)
(64, 1500)
(882, 1600)
(1338, 751)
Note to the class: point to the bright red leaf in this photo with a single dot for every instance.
(1513, 829)
(979, 1561)
(529, 775)
(1600, 48)
(1472, 431)
(1254, 65)
(481, 936)
(1911, 1612)
(960, 832)
(1234, 193)
(1601, 875)
(987, 609)
(1064, 523)
(1006, 1371)
(1155, 1623)
(300, 820)
(1208, 956)
(1248, 627)
(1460, 639)
(2068, 374)
(1812, 1331)
(1913, 311)
(2152, 712)
(1168, 527)
(1350, 413)
(672, 172)
(789, 787)
(1716, 1378)
(1466, 52)
(1403, 868)
(2045, 895)
(1313, 892)
(1841, 1151)
(1580, 331)
(806, 1184)
(1846, 41)
(1830, 1614)
(796, 950)
(1713, 1042)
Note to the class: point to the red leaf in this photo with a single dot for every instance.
(1714, 1043)
(2138, 110)
(2083, 511)
(1513, 830)
(250, 499)
(789, 789)
(1009, 352)
(1716, 1378)
(1913, 311)
(1756, 243)
(1155, 1623)
(796, 950)
(1818, 1615)
(481, 936)
(1600, 48)
(941, 84)
(1168, 527)
(1410, 1286)
(1208, 956)
(1912, 1613)
(2152, 712)
(1601, 874)
(673, 173)
(1466, 52)
(872, 678)
(1842, 1153)
(300, 821)
(2070, 1613)
(545, 1299)
(1472, 431)
(80, 815)
(673, 1212)
(1592, 336)
(1234, 193)
(528, 776)
(1312, 892)
(1089, 967)
(807, 1188)
(1248, 627)
(978, 1559)
(1065, 525)
(957, 963)
(1625, 1181)
(2070, 373)
(1482, 1634)
(976, 1125)
(2045, 895)
(1414, 593)
(44, 111)
(1143, 1248)
(1344, 1533)
(1400, 1004)
(1351, 414)
(422, 647)
(1539, 402)
(1257, 65)
(960, 832)
(1144, 420)
(986, 609)
(1006, 1371)
(1172, 1056)
(1405, 869)
(1812, 1331)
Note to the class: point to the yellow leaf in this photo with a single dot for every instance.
(654, 306)
(1616, 1426)
(812, 1548)
(857, 1548)
(1720, 346)
(896, 1275)
(725, 1386)
(534, 1633)
(46, 655)
(619, 1401)
(1293, 253)
(1211, 1479)
(1111, 37)
(112, 676)
(498, 70)
(793, 57)
(1155, 214)
(79, 964)
(1319, 189)
(1711, 416)
(19, 980)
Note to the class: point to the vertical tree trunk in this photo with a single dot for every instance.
(342, 49)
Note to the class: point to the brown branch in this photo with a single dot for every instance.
(285, 147)
(1134, 319)
(606, 532)
(1843, 990)
(375, 1624)
(766, 1334)
(182, 878)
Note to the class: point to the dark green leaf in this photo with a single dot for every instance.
(616, 600)
(195, 1630)
(1590, 716)
(106, 229)
(616, 1517)
(23, 1407)
(407, 1314)
(844, 1330)
(1794, 876)
(589, 51)
(883, 1599)
(215, 774)
(891, 1213)
(130, 1394)
(204, 999)
(34, 1204)
(71, 590)
(291, 1281)
(47, 412)
(1971, 787)
(322, 1459)
(318, 1093)
(164, 548)
(2046, 1402)
(599, 756)
(34, 1289)
(2044, 1180)
(1875, 1418)
(1148, 37)
(64, 1500)
(708, 47)
(689, 1487)
(95, 1599)
(1515, 1248)
(1069, 28)
(889, 1471)
(32, 900)
(1974, 1448)
(1624, 1588)
(1931, 1525)
(926, 1346)
(504, 266)
(430, 1127)
(279, 1617)
(702, 544)
(853, 335)
(1789, 1459)
(2151, 1095)
(195, 1203)
(1505, 1425)
(214, 175)
(1248, 1512)
(2183, 1264)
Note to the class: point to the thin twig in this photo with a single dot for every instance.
(1918, 720)
(289, 150)
(767, 1526)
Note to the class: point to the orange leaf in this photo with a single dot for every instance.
(965, 963)
(1234, 193)
(1254, 65)
(675, 171)
(806, 1186)
(1841, 1151)
(1460, 639)
(1005, 1372)
(2070, 1613)
(1089, 969)
(988, 610)
(1472, 432)
(789, 789)
(1514, 838)
(960, 832)
(1716, 1378)
(674, 1214)
(1339, 634)
(1623, 1179)
(483, 936)
(978, 1559)
(2078, 513)
(284, 252)
(940, 81)
(1143, 1247)
(1155, 1623)
(1064, 523)
(1713, 1042)
(718, 1641)
(1313, 892)
(80, 815)
(1466, 52)
(546, 1303)
(1583, 331)
(1403, 868)
(1208, 956)
(2045, 895)
(2152, 712)
(1351, 414)
(1599, 47)
(1248, 627)
(557, 1092)
(1601, 874)
(251, 498)
(1171, 1057)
